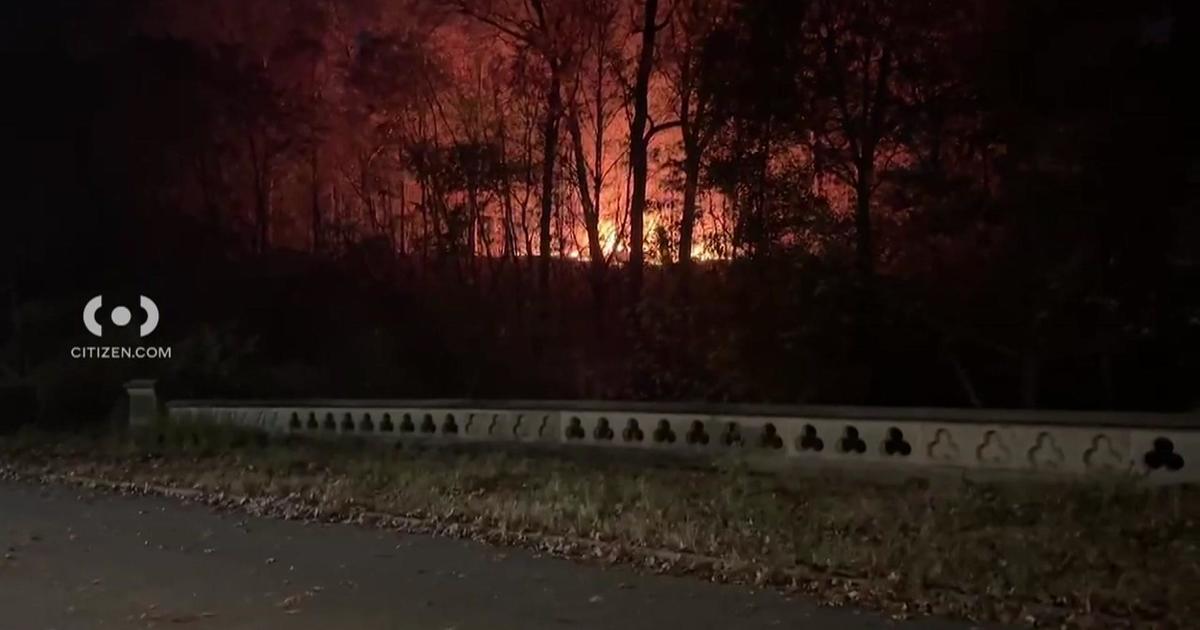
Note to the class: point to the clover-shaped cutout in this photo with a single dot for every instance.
(770, 437)
(575, 429)
(347, 422)
(1102, 454)
(697, 434)
(427, 425)
(387, 425)
(1045, 452)
(366, 424)
(732, 435)
(294, 423)
(809, 440)
(632, 432)
(312, 421)
(1163, 455)
(449, 425)
(663, 432)
(330, 424)
(850, 442)
(895, 444)
(943, 447)
(406, 424)
(993, 450)
(603, 430)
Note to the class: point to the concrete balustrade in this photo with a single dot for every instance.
(1157, 447)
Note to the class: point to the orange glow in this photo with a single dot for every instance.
(617, 248)
(609, 241)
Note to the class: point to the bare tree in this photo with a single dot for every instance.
(531, 25)
(691, 24)
(640, 134)
(856, 44)
(591, 92)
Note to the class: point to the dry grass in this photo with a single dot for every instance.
(1089, 555)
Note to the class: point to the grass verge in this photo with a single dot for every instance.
(1095, 554)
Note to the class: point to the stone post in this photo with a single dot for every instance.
(143, 404)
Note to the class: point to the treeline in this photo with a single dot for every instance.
(989, 202)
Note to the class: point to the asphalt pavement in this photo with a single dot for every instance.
(74, 558)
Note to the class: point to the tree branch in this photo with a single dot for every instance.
(654, 129)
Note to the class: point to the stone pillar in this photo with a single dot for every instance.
(143, 404)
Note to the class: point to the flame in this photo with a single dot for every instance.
(609, 237)
(616, 247)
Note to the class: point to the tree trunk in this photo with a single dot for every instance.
(260, 171)
(638, 142)
(472, 220)
(591, 211)
(315, 192)
(549, 154)
(424, 221)
(403, 245)
(865, 330)
(687, 222)
(510, 231)
(389, 217)
(864, 257)
(761, 238)
(691, 166)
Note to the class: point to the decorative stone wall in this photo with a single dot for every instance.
(1159, 447)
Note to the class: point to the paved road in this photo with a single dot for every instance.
(78, 559)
